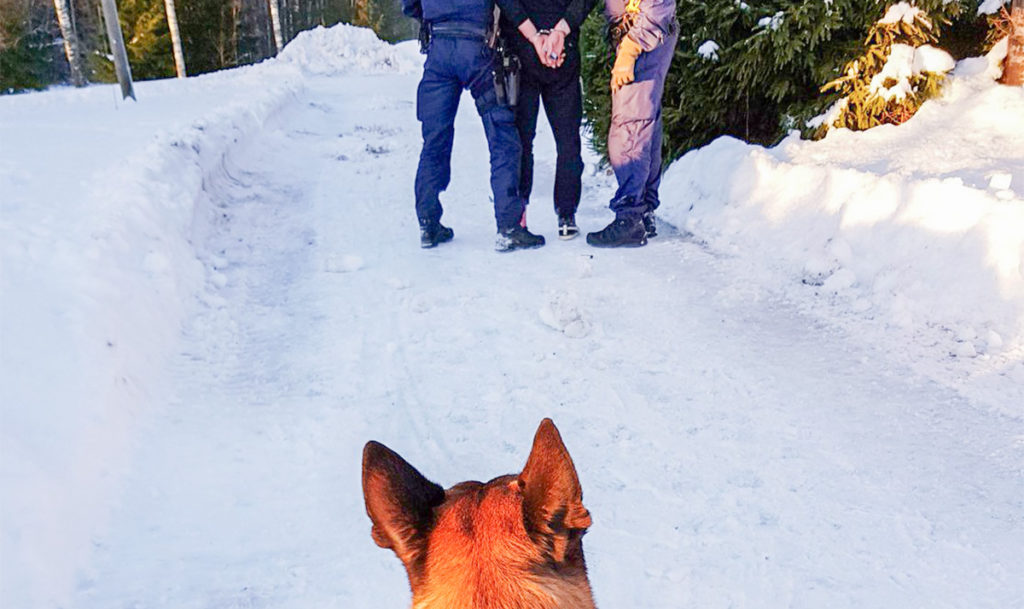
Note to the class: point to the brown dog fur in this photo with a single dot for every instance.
(512, 543)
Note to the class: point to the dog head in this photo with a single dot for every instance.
(512, 543)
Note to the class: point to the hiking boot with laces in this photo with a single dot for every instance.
(622, 232)
(649, 224)
(433, 233)
(517, 238)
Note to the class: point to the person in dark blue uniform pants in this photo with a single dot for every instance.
(459, 58)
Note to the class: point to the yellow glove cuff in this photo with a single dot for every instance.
(629, 48)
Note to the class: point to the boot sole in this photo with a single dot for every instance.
(431, 244)
(569, 236)
(518, 247)
(640, 243)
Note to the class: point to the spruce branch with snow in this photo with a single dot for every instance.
(898, 71)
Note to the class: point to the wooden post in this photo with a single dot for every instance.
(1013, 68)
(275, 21)
(117, 49)
(172, 24)
(67, 32)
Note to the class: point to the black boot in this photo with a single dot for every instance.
(622, 232)
(567, 228)
(517, 238)
(432, 233)
(649, 225)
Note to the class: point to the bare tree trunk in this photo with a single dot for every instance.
(71, 48)
(117, 49)
(1013, 70)
(172, 24)
(286, 18)
(236, 22)
(275, 20)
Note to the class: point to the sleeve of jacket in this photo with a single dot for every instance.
(413, 9)
(653, 23)
(577, 11)
(513, 11)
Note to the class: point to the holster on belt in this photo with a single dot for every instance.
(424, 37)
(506, 65)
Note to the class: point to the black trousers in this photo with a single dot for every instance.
(562, 95)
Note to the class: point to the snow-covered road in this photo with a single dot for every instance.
(733, 451)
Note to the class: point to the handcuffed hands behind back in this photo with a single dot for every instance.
(554, 49)
(550, 47)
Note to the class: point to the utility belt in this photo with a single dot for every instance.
(460, 29)
(451, 29)
(506, 64)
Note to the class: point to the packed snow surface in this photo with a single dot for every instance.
(806, 391)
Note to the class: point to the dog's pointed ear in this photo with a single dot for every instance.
(399, 501)
(552, 497)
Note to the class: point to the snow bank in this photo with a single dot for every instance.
(94, 290)
(102, 203)
(345, 49)
(918, 227)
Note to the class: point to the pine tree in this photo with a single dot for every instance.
(147, 38)
(28, 57)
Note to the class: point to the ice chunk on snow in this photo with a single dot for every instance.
(561, 313)
(348, 263)
(1000, 181)
(966, 334)
(965, 350)
(840, 281)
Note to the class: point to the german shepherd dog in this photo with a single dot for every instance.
(512, 543)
